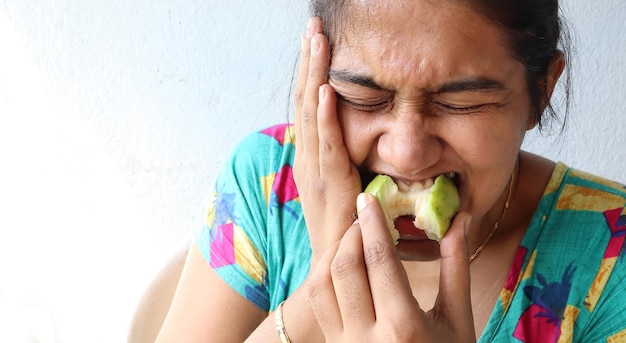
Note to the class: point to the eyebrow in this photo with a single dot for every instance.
(477, 84)
(346, 76)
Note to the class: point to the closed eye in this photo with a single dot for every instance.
(456, 109)
(366, 107)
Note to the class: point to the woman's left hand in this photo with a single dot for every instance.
(360, 292)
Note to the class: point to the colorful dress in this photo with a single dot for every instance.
(567, 282)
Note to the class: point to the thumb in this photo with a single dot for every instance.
(454, 285)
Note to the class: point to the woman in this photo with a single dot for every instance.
(412, 90)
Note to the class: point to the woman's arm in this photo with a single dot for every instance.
(327, 183)
(206, 309)
(156, 300)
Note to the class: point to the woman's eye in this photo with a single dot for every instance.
(367, 107)
(458, 109)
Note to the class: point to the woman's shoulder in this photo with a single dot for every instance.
(577, 190)
(581, 218)
(557, 179)
(277, 136)
(581, 222)
(578, 194)
(270, 147)
(574, 198)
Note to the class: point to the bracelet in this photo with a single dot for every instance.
(280, 325)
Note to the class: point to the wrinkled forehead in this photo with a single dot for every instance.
(362, 19)
(419, 43)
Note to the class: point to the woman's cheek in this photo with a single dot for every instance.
(358, 132)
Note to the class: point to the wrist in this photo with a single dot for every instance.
(280, 325)
(298, 318)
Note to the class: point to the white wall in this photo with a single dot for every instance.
(115, 114)
(595, 138)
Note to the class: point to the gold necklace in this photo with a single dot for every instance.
(497, 224)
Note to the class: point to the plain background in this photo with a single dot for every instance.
(115, 115)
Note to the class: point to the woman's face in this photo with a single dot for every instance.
(430, 88)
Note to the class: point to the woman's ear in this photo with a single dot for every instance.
(555, 69)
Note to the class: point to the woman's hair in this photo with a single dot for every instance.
(534, 28)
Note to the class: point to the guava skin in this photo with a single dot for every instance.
(433, 207)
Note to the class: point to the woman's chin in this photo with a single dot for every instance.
(418, 250)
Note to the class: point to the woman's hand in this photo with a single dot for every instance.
(327, 181)
(360, 292)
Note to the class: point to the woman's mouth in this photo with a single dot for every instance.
(367, 177)
(406, 224)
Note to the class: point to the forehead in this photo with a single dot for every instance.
(400, 41)
(408, 14)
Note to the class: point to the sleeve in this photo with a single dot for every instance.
(232, 237)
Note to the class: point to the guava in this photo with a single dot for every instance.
(433, 205)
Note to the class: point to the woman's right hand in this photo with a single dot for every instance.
(360, 292)
(328, 183)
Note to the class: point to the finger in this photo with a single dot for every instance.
(454, 284)
(334, 158)
(314, 26)
(322, 296)
(317, 76)
(389, 284)
(303, 71)
(334, 161)
(351, 283)
(298, 97)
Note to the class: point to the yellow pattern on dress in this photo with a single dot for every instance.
(596, 179)
(619, 337)
(248, 257)
(567, 325)
(505, 298)
(597, 287)
(267, 182)
(529, 268)
(555, 180)
(290, 136)
(580, 198)
(210, 212)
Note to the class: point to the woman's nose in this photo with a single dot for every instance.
(409, 145)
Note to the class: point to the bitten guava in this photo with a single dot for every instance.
(433, 205)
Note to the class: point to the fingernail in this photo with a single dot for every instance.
(361, 202)
(310, 28)
(466, 224)
(315, 45)
(322, 93)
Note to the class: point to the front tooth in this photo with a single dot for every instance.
(451, 175)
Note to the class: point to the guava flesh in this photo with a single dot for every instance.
(433, 206)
